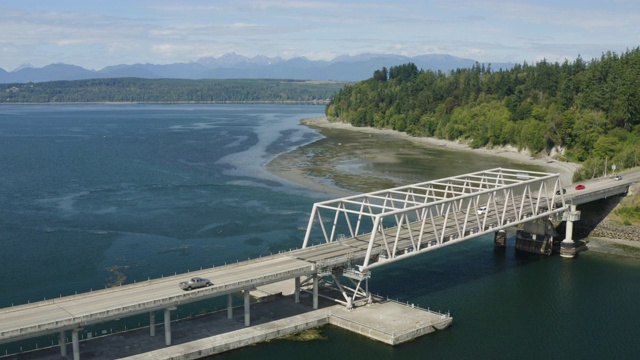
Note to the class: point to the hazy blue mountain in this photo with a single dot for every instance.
(23, 66)
(150, 71)
(234, 66)
(47, 73)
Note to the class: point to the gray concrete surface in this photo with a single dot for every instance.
(385, 321)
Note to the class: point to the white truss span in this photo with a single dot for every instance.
(392, 224)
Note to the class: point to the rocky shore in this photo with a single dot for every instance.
(614, 230)
(315, 168)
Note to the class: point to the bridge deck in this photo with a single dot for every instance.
(67, 312)
(78, 310)
(46, 317)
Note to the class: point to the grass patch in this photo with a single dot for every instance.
(306, 335)
(628, 211)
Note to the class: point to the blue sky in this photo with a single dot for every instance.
(95, 34)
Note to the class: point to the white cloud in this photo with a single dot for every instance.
(167, 31)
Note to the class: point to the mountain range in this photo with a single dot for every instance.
(234, 66)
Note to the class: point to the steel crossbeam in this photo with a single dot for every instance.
(408, 220)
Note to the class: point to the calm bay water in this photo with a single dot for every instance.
(95, 194)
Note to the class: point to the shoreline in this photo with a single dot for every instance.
(611, 246)
(290, 167)
(287, 166)
(565, 169)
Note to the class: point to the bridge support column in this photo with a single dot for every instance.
(500, 239)
(63, 344)
(152, 323)
(297, 290)
(75, 341)
(315, 291)
(568, 247)
(167, 325)
(229, 306)
(247, 308)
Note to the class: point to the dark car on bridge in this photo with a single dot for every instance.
(563, 191)
(580, 187)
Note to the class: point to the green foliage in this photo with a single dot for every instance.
(589, 109)
(380, 75)
(403, 72)
(631, 214)
(169, 91)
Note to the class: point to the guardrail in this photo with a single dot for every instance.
(393, 334)
(148, 305)
(345, 259)
(126, 287)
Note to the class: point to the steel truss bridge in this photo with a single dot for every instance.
(381, 227)
(345, 240)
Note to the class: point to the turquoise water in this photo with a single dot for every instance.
(94, 193)
(146, 190)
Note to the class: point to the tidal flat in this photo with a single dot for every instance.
(350, 160)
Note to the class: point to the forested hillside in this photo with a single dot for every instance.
(589, 111)
(168, 91)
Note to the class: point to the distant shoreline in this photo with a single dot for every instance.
(310, 102)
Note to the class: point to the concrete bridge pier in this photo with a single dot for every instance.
(75, 341)
(297, 290)
(315, 291)
(246, 295)
(63, 344)
(229, 306)
(568, 247)
(167, 325)
(500, 239)
(536, 237)
(152, 323)
(247, 308)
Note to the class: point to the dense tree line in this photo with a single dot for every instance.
(589, 111)
(168, 91)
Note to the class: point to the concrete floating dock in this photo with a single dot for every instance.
(273, 315)
(389, 322)
(385, 320)
(237, 339)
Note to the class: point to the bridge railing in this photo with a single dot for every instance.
(152, 305)
(411, 218)
(392, 334)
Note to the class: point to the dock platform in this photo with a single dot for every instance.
(275, 314)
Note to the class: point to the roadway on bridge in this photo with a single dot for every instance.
(68, 312)
(52, 315)
(46, 317)
(599, 185)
